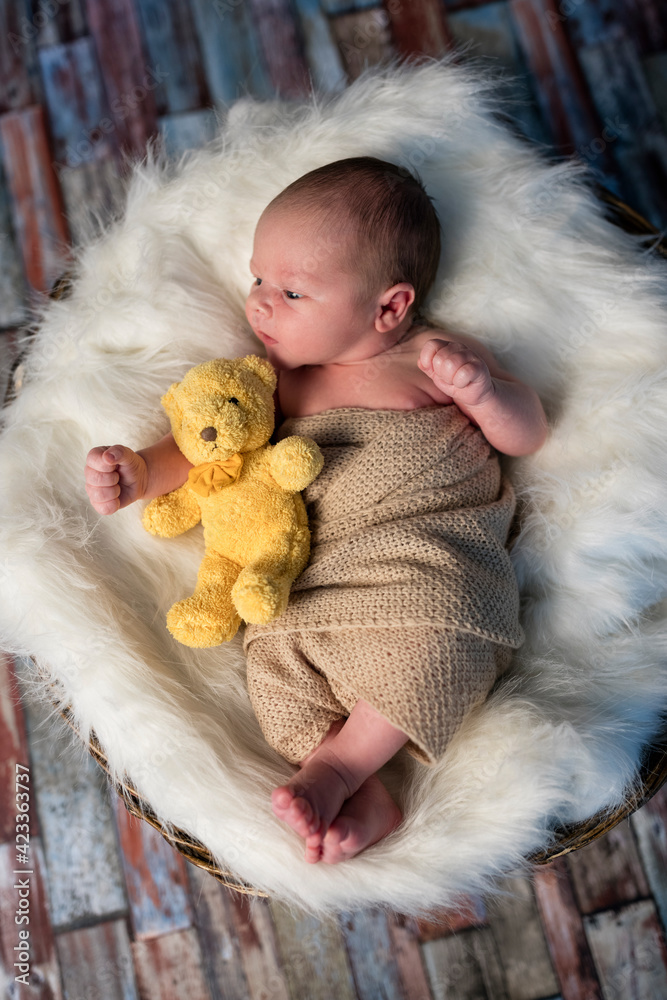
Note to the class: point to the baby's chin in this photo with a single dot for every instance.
(280, 363)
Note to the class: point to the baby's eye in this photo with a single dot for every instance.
(293, 295)
(257, 281)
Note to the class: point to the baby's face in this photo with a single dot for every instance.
(304, 305)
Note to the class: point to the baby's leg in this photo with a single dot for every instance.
(343, 768)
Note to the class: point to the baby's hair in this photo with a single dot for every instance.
(397, 228)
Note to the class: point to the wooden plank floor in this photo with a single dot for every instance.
(114, 912)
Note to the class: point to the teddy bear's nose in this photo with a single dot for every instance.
(209, 434)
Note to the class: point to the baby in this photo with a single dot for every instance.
(342, 261)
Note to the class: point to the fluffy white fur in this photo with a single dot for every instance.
(564, 299)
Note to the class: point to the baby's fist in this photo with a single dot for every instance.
(115, 477)
(457, 371)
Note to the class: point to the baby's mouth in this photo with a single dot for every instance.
(265, 337)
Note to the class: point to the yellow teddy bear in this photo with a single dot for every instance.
(244, 491)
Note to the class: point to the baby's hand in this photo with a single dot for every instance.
(115, 477)
(457, 371)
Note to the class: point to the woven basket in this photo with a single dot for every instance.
(652, 774)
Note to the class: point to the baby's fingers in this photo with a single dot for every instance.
(103, 479)
(466, 373)
(428, 353)
(104, 499)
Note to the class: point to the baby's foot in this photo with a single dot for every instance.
(313, 798)
(368, 816)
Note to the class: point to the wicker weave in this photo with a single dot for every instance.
(652, 774)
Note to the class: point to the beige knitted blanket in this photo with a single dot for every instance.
(409, 520)
(409, 600)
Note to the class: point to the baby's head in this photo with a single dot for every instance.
(343, 259)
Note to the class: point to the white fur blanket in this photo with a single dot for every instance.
(564, 299)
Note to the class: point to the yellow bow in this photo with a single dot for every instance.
(213, 476)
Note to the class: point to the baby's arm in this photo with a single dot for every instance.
(117, 476)
(508, 413)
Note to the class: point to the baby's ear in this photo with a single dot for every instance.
(263, 369)
(170, 401)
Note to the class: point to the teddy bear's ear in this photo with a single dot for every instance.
(170, 400)
(262, 368)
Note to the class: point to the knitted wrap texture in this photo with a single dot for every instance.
(409, 600)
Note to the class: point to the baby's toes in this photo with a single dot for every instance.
(313, 848)
(302, 817)
(343, 840)
(281, 800)
(295, 811)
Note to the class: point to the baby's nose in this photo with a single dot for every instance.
(260, 299)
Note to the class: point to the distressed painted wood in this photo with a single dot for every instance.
(172, 43)
(155, 877)
(643, 22)
(564, 932)
(281, 43)
(97, 962)
(419, 28)
(608, 872)
(313, 956)
(170, 968)
(654, 68)
(629, 951)
(630, 131)
(650, 828)
(80, 848)
(80, 122)
(60, 22)
(12, 285)
(515, 927)
(364, 39)
(12, 282)
(239, 942)
(491, 30)
(470, 913)
(230, 49)
(466, 966)
(18, 86)
(369, 948)
(37, 209)
(9, 352)
(334, 7)
(43, 973)
(408, 956)
(322, 54)
(129, 78)
(13, 751)
(562, 93)
(93, 194)
(646, 22)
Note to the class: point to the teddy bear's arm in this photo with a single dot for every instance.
(294, 462)
(173, 513)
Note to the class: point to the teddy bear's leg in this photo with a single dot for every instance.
(209, 616)
(261, 592)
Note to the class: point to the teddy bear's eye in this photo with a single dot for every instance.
(234, 400)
